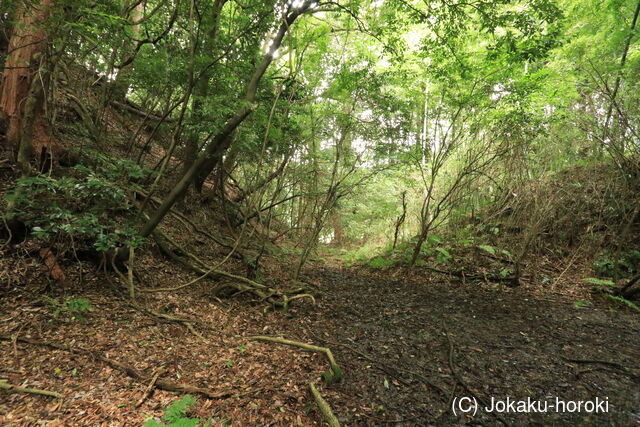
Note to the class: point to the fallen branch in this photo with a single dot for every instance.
(327, 413)
(133, 373)
(14, 388)
(465, 276)
(334, 374)
(140, 113)
(275, 297)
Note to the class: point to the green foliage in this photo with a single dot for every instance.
(581, 304)
(599, 282)
(487, 248)
(625, 301)
(176, 414)
(80, 208)
(380, 262)
(332, 375)
(442, 255)
(75, 308)
(505, 272)
(618, 266)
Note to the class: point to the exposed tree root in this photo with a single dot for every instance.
(614, 365)
(149, 388)
(332, 375)
(325, 409)
(168, 318)
(8, 387)
(159, 383)
(512, 281)
(460, 381)
(239, 284)
(149, 312)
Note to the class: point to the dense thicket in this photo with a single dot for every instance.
(365, 124)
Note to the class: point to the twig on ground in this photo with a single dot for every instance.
(4, 385)
(135, 374)
(615, 365)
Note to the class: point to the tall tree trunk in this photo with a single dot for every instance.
(338, 229)
(121, 83)
(221, 142)
(201, 91)
(21, 65)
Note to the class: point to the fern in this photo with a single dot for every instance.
(599, 282)
(175, 414)
(625, 301)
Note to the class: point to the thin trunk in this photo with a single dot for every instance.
(220, 142)
(400, 219)
(623, 61)
(201, 91)
(121, 83)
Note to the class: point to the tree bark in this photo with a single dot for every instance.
(27, 40)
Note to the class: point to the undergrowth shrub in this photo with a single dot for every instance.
(617, 266)
(75, 308)
(82, 208)
(590, 204)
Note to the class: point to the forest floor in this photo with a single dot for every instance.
(408, 344)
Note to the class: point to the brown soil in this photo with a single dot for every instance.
(397, 336)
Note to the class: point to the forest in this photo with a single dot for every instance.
(319, 212)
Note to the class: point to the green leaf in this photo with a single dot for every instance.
(488, 248)
(625, 301)
(443, 256)
(177, 409)
(505, 272)
(580, 304)
(600, 282)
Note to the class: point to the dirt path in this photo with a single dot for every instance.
(398, 342)
(396, 339)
